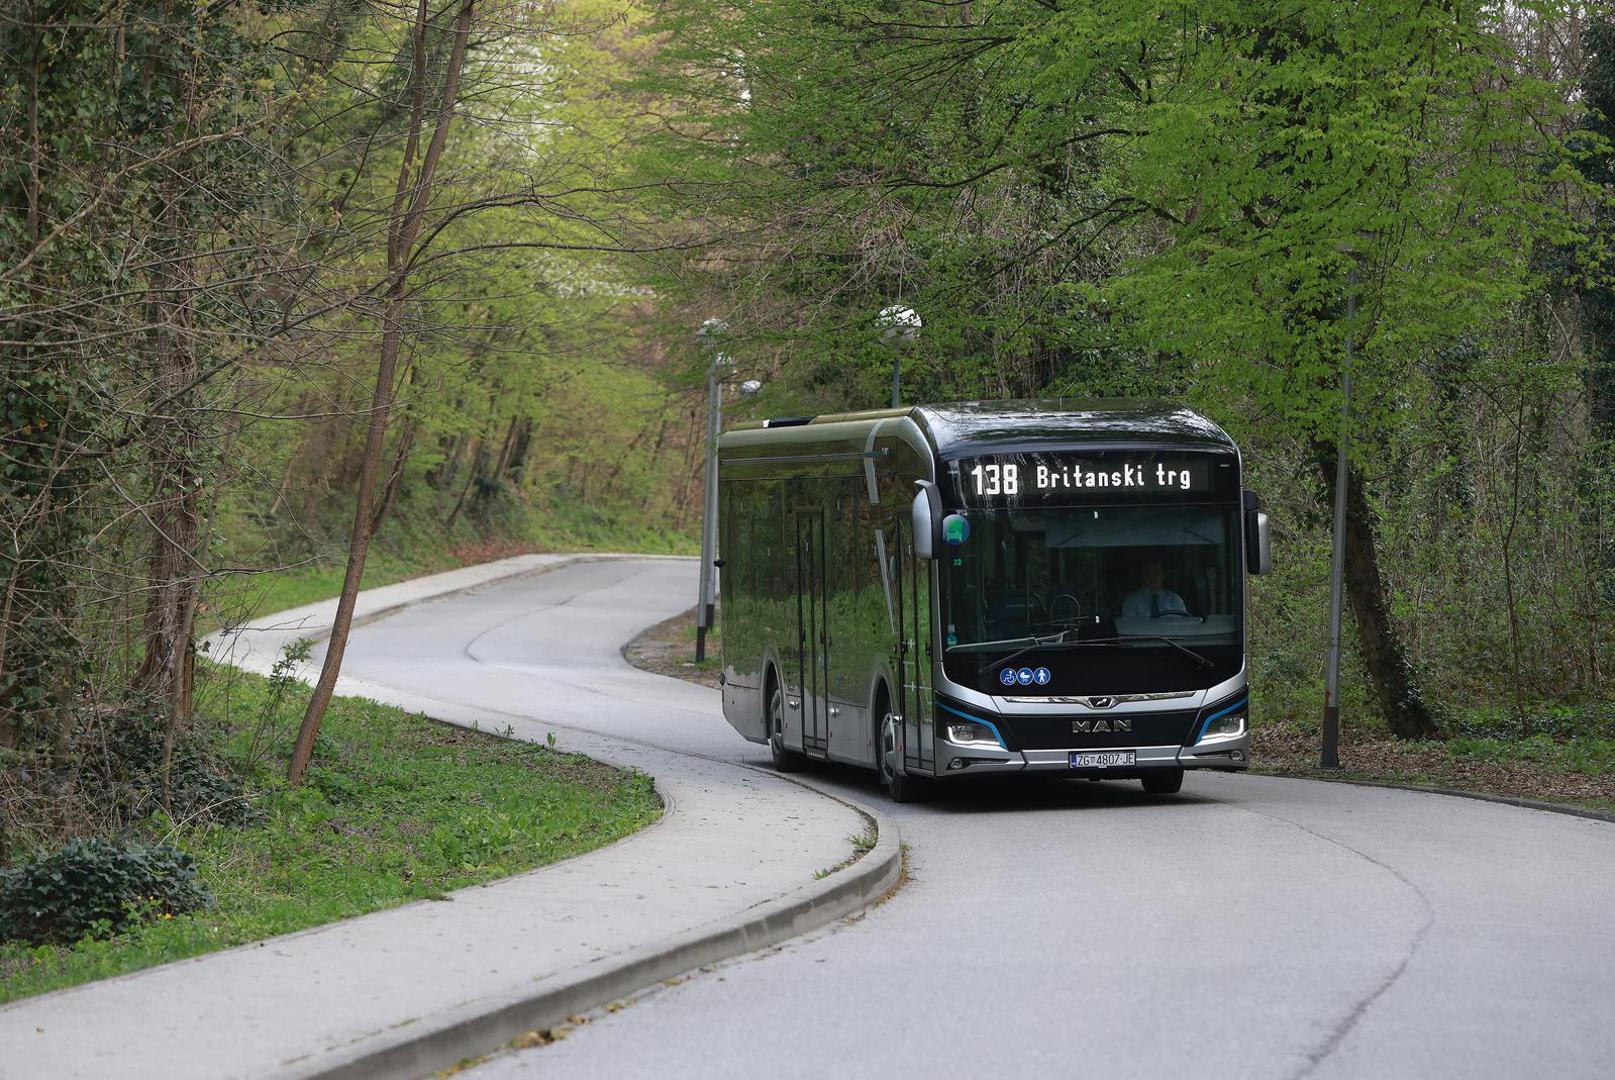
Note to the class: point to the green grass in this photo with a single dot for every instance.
(414, 542)
(1578, 755)
(248, 596)
(688, 633)
(396, 808)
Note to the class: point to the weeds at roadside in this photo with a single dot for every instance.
(396, 808)
(862, 844)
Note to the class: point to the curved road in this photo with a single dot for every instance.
(1250, 927)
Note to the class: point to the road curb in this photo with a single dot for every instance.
(423, 1046)
(1456, 793)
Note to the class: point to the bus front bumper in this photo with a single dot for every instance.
(954, 759)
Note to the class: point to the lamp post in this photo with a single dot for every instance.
(710, 335)
(1329, 751)
(899, 329)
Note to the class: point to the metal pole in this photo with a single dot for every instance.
(709, 517)
(1329, 757)
(897, 374)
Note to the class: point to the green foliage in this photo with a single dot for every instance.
(396, 808)
(1131, 198)
(1575, 756)
(201, 788)
(97, 887)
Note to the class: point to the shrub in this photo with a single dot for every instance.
(94, 887)
(200, 789)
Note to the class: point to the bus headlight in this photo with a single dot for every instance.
(970, 732)
(1225, 727)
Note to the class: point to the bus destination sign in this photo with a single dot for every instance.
(1098, 476)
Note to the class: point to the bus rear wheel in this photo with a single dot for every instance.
(1162, 781)
(785, 759)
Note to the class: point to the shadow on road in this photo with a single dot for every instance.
(999, 794)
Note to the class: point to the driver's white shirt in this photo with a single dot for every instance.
(1165, 600)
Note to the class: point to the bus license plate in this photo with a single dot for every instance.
(1104, 759)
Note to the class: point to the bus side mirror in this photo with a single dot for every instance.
(926, 517)
(1258, 542)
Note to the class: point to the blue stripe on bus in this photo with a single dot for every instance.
(976, 720)
(1240, 704)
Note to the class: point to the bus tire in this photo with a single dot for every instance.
(786, 760)
(1162, 781)
(902, 787)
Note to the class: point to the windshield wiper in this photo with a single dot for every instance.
(1184, 649)
(1031, 642)
(1026, 644)
(1059, 639)
(976, 646)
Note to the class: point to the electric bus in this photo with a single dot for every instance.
(977, 588)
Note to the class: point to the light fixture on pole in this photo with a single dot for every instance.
(899, 329)
(711, 336)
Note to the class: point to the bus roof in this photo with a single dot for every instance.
(958, 429)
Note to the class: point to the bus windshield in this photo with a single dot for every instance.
(1161, 580)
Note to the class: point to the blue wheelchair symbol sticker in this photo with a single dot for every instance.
(1041, 676)
(1007, 676)
(1024, 676)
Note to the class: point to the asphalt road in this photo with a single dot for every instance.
(1249, 927)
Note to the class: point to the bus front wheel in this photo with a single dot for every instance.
(785, 759)
(1162, 781)
(902, 787)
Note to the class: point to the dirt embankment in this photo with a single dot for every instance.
(668, 648)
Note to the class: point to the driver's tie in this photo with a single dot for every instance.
(1155, 604)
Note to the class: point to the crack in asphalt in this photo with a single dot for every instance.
(1345, 1026)
(530, 612)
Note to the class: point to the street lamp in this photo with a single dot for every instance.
(711, 336)
(899, 329)
(1329, 749)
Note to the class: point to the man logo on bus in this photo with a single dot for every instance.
(1041, 676)
(1007, 676)
(1024, 676)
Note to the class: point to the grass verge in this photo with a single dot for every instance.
(396, 808)
(668, 648)
(1575, 769)
(416, 541)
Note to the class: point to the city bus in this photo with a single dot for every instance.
(951, 591)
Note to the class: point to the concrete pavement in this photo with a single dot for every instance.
(731, 866)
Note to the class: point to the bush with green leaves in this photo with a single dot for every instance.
(96, 887)
(201, 788)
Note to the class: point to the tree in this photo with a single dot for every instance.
(432, 96)
(1128, 197)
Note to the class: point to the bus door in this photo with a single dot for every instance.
(914, 636)
(811, 634)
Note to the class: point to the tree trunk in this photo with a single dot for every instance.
(471, 478)
(506, 448)
(389, 494)
(517, 465)
(1384, 654)
(175, 440)
(410, 200)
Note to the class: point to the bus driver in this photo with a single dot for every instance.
(1154, 599)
